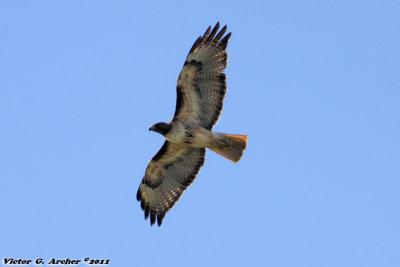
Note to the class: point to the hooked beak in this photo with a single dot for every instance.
(151, 128)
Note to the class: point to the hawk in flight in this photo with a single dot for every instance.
(200, 89)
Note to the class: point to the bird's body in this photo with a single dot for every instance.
(188, 134)
(201, 88)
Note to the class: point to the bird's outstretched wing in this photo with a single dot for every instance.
(201, 85)
(168, 174)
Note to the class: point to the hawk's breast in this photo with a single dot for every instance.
(190, 135)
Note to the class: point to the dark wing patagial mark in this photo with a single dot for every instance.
(201, 84)
(161, 152)
(168, 174)
(179, 100)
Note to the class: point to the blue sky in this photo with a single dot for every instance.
(315, 85)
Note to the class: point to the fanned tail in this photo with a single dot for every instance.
(230, 146)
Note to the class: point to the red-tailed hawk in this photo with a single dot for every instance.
(201, 89)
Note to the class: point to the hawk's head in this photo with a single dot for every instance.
(161, 128)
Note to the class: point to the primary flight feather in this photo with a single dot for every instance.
(200, 89)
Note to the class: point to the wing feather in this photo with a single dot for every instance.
(168, 174)
(201, 85)
(213, 32)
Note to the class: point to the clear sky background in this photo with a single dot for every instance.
(315, 85)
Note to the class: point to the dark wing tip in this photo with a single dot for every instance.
(146, 212)
(138, 195)
(210, 36)
(207, 32)
(213, 32)
(226, 38)
(221, 33)
(160, 217)
(224, 41)
(152, 217)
